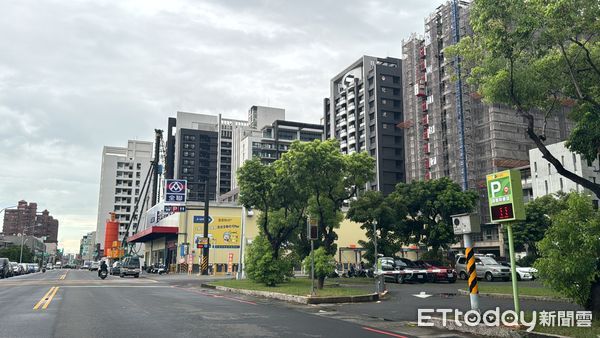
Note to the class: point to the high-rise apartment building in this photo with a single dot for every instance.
(363, 111)
(87, 245)
(201, 146)
(24, 219)
(449, 131)
(123, 173)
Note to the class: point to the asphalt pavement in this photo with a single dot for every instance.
(76, 303)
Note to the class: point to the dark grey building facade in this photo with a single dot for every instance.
(363, 112)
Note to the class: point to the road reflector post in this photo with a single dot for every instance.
(466, 224)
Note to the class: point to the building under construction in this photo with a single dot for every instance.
(449, 132)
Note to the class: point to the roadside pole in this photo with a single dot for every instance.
(513, 268)
(377, 282)
(313, 232)
(471, 273)
(466, 224)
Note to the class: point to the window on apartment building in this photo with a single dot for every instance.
(372, 152)
(139, 166)
(549, 169)
(396, 79)
(535, 167)
(383, 89)
(397, 103)
(574, 162)
(546, 186)
(384, 125)
(562, 160)
(383, 101)
(189, 154)
(593, 179)
(384, 114)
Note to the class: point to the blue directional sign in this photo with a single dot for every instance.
(200, 219)
(175, 191)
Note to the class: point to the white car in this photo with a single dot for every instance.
(524, 273)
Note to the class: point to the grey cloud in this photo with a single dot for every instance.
(78, 75)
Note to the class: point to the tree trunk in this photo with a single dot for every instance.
(594, 302)
(320, 283)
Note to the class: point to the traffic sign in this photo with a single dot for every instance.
(200, 219)
(175, 191)
(505, 196)
(175, 208)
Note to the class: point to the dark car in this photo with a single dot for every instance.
(437, 271)
(130, 266)
(5, 268)
(410, 271)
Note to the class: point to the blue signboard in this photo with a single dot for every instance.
(200, 219)
(175, 191)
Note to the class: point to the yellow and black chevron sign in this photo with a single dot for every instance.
(204, 267)
(473, 288)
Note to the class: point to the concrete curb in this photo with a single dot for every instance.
(297, 299)
(502, 295)
(482, 330)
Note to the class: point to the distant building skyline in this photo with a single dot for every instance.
(25, 219)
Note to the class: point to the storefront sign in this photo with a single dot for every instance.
(225, 232)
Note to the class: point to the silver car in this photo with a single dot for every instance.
(486, 267)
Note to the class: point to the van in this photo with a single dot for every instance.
(130, 267)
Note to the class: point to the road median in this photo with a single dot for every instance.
(296, 291)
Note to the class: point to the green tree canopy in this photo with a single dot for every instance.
(539, 218)
(372, 207)
(537, 57)
(282, 204)
(319, 170)
(424, 210)
(13, 253)
(324, 265)
(263, 266)
(570, 253)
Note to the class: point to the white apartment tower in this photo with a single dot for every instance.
(122, 176)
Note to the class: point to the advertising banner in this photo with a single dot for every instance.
(225, 231)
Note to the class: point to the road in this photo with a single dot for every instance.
(401, 305)
(75, 303)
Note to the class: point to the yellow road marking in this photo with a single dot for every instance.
(50, 299)
(44, 298)
(62, 277)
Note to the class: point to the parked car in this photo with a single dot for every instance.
(5, 268)
(16, 270)
(31, 267)
(523, 273)
(410, 271)
(87, 265)
(486, 267)
(24, 268)
(130, 266)
(94, 266)
(49, 266)
(115, 269)
(436, 271)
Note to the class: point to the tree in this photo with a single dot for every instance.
(262, 266)
(319, 170)
(537, 57)
(324, 265)
(539, 218)
(570, 253)
(13, 253)
(372, 207)
(424, 210)
(269, 189)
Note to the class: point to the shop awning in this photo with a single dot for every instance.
(152, 233)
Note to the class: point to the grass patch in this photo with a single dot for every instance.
(296, 286)
(523, 290)
(354, 280)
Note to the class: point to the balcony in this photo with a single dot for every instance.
(343, 133)
(424, 106)
(425, 120)
(426, 148)
(351, 128)
(351, 118)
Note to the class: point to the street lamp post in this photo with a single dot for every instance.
(23, 234)
(375, 255)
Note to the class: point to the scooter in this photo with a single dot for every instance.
(103, 274)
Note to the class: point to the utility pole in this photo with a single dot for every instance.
(157, 142)
(206, 248)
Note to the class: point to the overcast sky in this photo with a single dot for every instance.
(77, 75)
